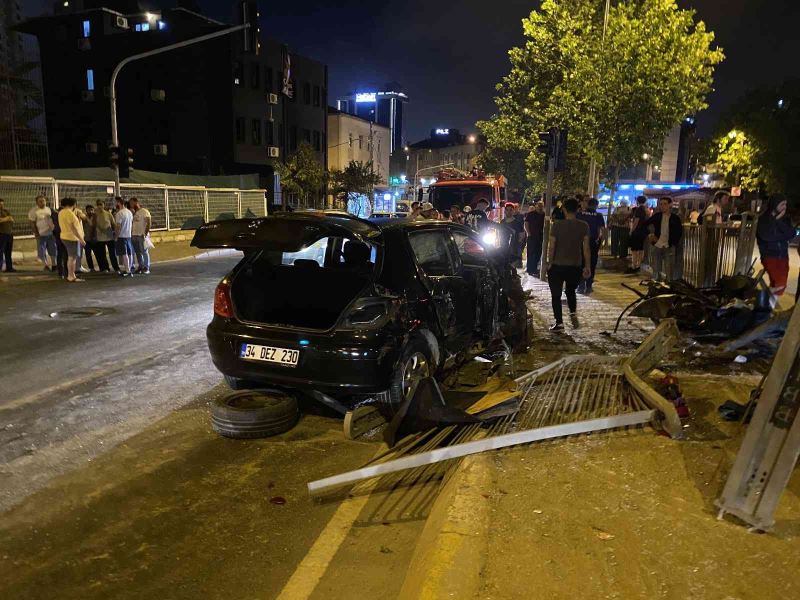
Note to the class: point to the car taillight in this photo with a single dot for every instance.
(368, 313)
(223, 306)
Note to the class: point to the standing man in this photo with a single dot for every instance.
(534, 228)
(104, 229)
(477, 218)
(666, 232)
(41, 217)
(139, 232)
(619, 223)
(714, 210)
(415, 215)
(514, 221)
(123, 220)
(6, 237)
(597, 231)
(91, 243)
(567, 250)
(71, 227)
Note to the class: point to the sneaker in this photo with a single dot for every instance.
(556, 327)
(573, 318)
(147, 272)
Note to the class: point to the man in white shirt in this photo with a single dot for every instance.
(139, 234)
(123, 221)
(41, 218)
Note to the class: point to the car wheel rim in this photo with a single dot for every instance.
(415, 369)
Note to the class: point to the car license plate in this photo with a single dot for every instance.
(283, 356)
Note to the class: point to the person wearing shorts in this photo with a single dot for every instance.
(41, 218)
(71, 235)
(123, 220)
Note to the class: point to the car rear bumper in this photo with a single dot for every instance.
(336, 363)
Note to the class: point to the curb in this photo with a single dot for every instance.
(451, 552)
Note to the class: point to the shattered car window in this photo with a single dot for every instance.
(472, 253)
(433, 252)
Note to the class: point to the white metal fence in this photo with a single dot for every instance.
(172, 207)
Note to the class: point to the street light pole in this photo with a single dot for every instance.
(130, 59)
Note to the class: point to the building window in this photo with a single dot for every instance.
(317, 141)
(141, 27)
(87, 28)
(238, 73)
(90, 79)
(351, 140)
(268, 79)
(307, 93)
(361, 142)
(317, 95)
(240, 135)
(255, 76)
(256, 132)
(269, 133)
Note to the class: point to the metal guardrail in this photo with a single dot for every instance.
(708, 250)
(173, 207)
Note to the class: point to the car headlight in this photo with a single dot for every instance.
(490, 238)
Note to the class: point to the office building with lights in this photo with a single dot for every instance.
(213, 108)
(387, 108)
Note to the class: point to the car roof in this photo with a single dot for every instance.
(409, 224)
(361, 227)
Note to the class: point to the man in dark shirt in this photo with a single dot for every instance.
(558, 212)
(6, 237)
(477, 218)
(534, 227)
(597, 228)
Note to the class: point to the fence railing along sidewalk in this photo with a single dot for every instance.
(172, 207)
(708, 250)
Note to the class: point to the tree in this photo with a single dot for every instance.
(769, 120)
(740, 160)
(354, 186)
(618, 94)
(302, 174)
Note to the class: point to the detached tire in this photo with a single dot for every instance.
(253, 414)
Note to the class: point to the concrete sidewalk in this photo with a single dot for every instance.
(623, 514)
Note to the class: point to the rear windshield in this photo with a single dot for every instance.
(333, 253)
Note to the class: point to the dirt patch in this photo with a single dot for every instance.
(631, 515)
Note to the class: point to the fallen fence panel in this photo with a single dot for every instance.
(482, 445)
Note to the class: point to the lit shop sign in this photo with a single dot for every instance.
(442, 132)
(367, 97)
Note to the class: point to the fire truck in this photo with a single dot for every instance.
(453, 187)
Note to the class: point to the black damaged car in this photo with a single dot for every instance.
(344, 308)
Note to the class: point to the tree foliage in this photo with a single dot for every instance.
(302, 174)
(769, 120)
(740, 160)
(354, 183)
(618, 97)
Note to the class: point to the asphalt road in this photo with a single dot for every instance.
(71, 384)
(113, 485)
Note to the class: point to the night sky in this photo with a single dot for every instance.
(449, 55)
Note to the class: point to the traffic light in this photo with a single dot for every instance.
(113, 156)
(561, 151)
(125, 162)
(546, 144)
(251, 36)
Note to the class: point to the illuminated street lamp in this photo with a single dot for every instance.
(471, 139)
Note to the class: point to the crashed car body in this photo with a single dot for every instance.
(333, 304)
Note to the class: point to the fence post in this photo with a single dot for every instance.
(239, 204)
(56, 199)
(702, 253)
(166, 206)
(205, 204)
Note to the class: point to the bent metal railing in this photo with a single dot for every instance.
(173, 207)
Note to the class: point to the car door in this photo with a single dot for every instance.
(437, 260)
(480, 284)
